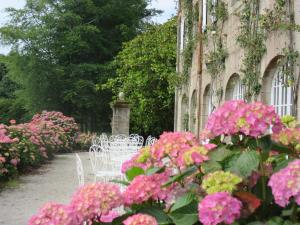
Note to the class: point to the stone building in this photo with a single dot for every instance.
(205, 87)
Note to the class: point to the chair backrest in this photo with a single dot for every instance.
(80, 172)
(150, 140)
(96, 140)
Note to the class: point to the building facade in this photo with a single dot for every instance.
(222, 59)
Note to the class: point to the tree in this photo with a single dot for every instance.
(63, 48)
(10, 107)
(146, 73)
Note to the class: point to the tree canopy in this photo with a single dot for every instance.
(63, 48)
(146, 73)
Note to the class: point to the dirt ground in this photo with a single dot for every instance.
(54, 182)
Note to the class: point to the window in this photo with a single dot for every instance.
(207, 105)
(235, 89)
(238, 90)
(214, 4)
(281, 95)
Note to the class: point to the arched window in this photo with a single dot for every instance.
(235, 89)
(281, 94)
(207, 105)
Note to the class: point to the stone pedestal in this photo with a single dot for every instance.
(121, 117)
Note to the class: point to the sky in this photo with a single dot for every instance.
(168, 6)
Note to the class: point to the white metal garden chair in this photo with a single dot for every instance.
(80, 171)
(150, 140)
(104, 166)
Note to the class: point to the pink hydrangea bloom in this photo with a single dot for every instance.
(133, 162)
(4, 138)
(108, 218)
(54, 214)
(140, 219)
(143, 188)
(239, 117)
(173, 145)
(93, 200)
(218, 208)
(286, 184)
(289, 137)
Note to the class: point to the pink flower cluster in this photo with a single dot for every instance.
(289, 137)
(286, 184)
(133, 162)
(92, 202)
(144, 187)
(173, 145)
(219, 208)
(54, 214)
(4, 138)
(29, 143)
(140, 219)
(95, 200)
(238, 117)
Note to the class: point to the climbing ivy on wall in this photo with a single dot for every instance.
(191, 15)
(216, 58)
(254, 31)
(252, 39)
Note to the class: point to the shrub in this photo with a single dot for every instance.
(241, 175)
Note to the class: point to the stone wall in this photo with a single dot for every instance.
(199, 81)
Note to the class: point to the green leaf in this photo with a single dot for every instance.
(256, 223)
(220, 154)
(134, 172)
(119, 182)
(154, 170)
(183, 201)
(246, 163)
(181, 176)
(275, 221)
(281, 148)
(211, 166)
(187, 215)
(159, 214)
(265, 143)
(282, 164)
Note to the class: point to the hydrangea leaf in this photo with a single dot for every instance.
(220, 154)
(187, 215)
(183, 201)
(246, 163)
(134, 172)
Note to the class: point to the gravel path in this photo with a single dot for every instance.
(55, 181)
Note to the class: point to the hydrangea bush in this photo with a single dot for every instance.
(29, 144)
(244, 169)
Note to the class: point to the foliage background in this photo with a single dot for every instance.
(63, 48)
(146, 73)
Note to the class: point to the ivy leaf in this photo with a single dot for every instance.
(134, 172)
